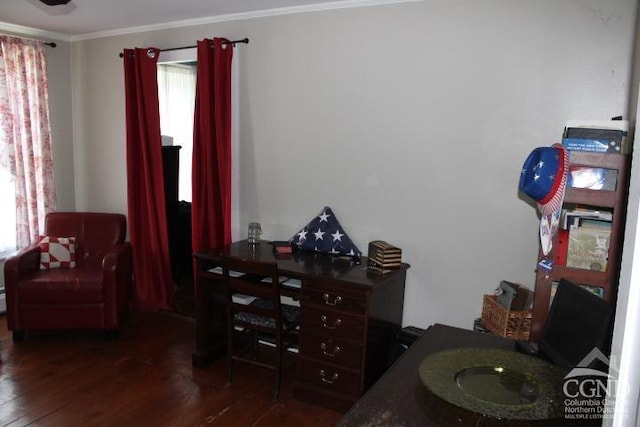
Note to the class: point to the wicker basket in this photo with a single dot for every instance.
(515, 325)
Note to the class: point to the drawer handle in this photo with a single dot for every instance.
(332, 379)
(335, 325)
(336, 350)
(337, 300)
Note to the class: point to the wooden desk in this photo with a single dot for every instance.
(400, 399)
(349, 318)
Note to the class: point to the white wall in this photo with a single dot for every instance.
(410, 120)
(60, 112)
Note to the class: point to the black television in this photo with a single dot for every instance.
(578, 321)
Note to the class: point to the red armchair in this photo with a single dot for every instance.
(93, 295)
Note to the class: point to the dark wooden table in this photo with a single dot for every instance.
(400, 399)
(349, 318)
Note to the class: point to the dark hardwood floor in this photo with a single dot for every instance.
(145, 378)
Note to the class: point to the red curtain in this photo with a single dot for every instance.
(145, 184)
(211, 165)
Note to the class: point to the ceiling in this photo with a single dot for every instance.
(92, 18)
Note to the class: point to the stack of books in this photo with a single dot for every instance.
(587, 242)
(577, 216)
(384, 256)
(598, 136)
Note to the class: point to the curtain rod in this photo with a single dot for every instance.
(50, 44)
(233, 42)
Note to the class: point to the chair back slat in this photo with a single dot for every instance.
(252, 286)
(262, 281)
(257, 279)
(248, 308)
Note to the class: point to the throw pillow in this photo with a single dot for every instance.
(57, 252)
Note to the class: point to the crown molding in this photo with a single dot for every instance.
(33, 32)
(239, 16)
(44, 34)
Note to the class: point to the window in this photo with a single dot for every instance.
(173, 93)
(26, 155)
(7, 213)
(176, 95)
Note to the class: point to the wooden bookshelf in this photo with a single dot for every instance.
(614, 201)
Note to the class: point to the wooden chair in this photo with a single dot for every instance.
(265, 316)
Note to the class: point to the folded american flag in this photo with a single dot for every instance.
(325, 234)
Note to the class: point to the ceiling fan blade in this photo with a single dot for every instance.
(55, 2)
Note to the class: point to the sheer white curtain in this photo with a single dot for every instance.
(177, 94)
(27, 188)
(7, 213)
(183, 93)
(7, 184)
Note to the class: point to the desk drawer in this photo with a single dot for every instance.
(329, 377)
(332, 323)
(332, 350)
(334, 297)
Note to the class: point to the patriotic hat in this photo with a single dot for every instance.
(544, 177)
